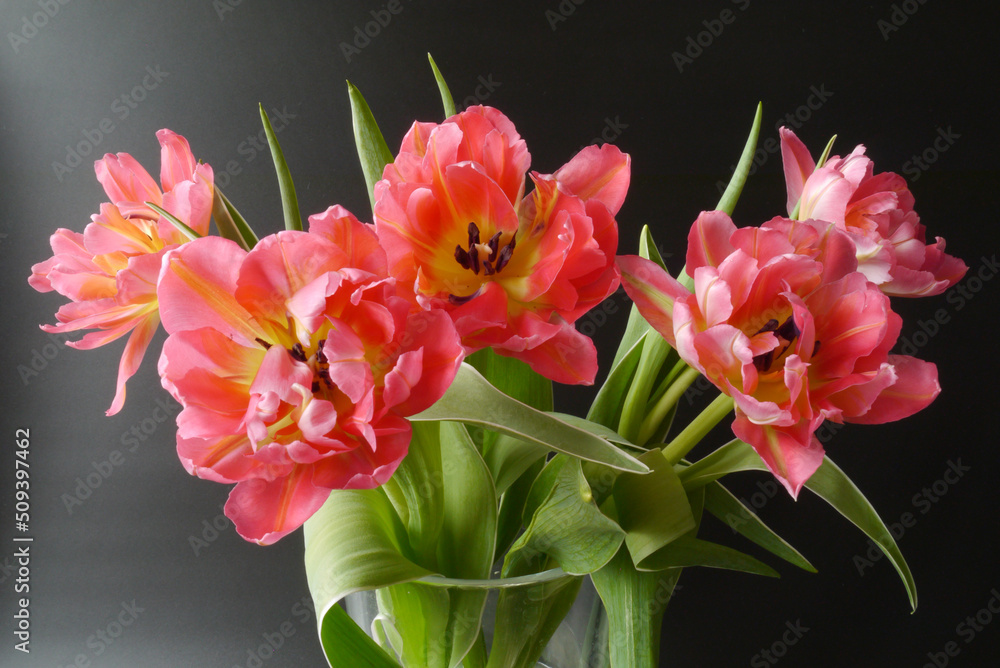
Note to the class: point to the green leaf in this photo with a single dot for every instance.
(565, 525)
(688, 551)
(184, 229)
(514, 378)
(354, 542)
(372, 149)
(597, 429)
(230, 223)
(833, 486)
(512, 506)
(346, 645)
(446, 99)
(721, 503)
(635, 602)
(468, 533)
(416, 491)
(739, 178)
(828, 482)
(655, 351)
(526, 618)
(508, 458)
(730, 458)
(289, 202)
(607, 407)
(473, 400)
(653, 509)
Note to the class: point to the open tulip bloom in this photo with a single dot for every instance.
(388, 385)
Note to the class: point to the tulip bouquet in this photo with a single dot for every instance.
(388, 385)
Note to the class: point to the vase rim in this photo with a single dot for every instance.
(495, 583)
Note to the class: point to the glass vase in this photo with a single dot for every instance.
(546, 619)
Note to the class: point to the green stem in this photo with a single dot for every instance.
(698, 429)
(658, 413)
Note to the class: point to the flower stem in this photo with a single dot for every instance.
(698, 429)
(670, 397)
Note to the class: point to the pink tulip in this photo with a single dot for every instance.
(296, 365)
(877, 211)
(781, 321)
(514, 272)
(109, 272)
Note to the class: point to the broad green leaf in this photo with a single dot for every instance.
(721, 503)
(416, 491)
(231, 224)
(508, 458)
(655, 350)
(512, 507)
(173, 220)
(430, 626)
(597, 429)
(446, 99)
(468, 533)
(347, 646)
(635, 602)
(688, 551)
(514, 378)
(833, 486)
(732, 457)
(653, 509)
(473, 400)
(289, 202)
(739, 178)
(372, 149)
(526, 618)
(354, 542)
(565, 525)
(828, 482)
(607, 406)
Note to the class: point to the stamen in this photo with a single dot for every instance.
(473, 235)
(494, 244)
(815, 349)
(763, 362)
(474, 255)
(488, 268)
(462, 256)
(263, 343)
(769, 326)
(458, 301)
(298, 353)
(320, 355)
(789, 331)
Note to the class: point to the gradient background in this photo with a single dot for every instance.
(564, 79)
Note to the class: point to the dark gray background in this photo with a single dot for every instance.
(563, 83)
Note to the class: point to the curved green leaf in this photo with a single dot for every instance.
(372, 149)
(732, 193)
(354, 542)
(230, 223)
(688, 551)
(289, 202)
(347, 646)
(473, 400)
(176, 222)
(653, 509)
(635, 602)
(564, 524)
(721, 503)
(833, 486)
(446, 100)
